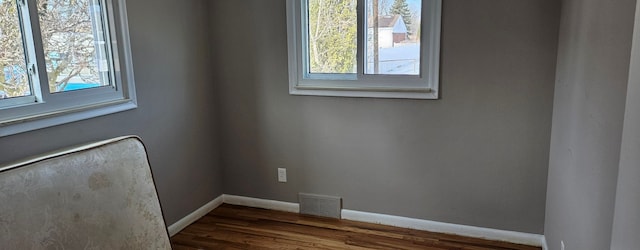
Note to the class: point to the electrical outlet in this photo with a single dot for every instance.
(282, 174)
(561, 245)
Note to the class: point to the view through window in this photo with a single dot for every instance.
(14, 81)
(74, 42)
(333, 27)
(393, 37)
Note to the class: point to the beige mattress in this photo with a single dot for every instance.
(97, 196)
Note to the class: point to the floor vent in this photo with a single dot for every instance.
(320, 205)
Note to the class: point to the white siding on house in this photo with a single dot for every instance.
(385, 34)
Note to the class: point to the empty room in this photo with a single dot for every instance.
(320, 124)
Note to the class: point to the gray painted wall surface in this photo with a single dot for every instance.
(174, 117)
(478, 156)
(591, 84)
(626, 223)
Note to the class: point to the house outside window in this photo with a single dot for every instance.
(392, 31)
(62, 61)
(390, 51)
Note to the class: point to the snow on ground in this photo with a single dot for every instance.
(404, 59)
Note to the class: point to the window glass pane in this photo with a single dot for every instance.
(14, 81)
(393, 37)
(332, 40)
(74, 41)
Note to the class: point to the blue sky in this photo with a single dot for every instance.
(414, 4)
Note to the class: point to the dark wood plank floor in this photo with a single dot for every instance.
(237, 227)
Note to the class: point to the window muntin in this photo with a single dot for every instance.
(104, 79)
(418, 83)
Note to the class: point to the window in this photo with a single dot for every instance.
(390, 51)
(62, 61)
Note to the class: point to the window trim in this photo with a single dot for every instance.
(423, 86)
(65, 107)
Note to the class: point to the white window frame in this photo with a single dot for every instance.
(44, 109)
(422, 86)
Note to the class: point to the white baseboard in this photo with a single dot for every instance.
(448, 228)
(391, 220)
(544, 243)
(261, 203)
(194, 216)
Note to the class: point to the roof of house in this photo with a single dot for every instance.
(386, 21)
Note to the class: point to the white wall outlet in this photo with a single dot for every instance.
(282, 174)
(561, 245)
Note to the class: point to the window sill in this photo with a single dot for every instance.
(373, 92)
(64, 116)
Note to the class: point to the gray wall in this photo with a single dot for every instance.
(591, 84)
(626, 223)
(478, 156)
(174, 118)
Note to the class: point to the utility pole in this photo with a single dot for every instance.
(376, 56)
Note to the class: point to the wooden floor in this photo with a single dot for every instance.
(237, 227)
